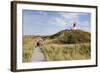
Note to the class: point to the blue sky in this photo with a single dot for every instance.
(50, 22)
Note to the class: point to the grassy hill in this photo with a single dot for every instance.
(64, 45)
(70, 37)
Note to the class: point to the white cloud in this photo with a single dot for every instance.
(69, 15)
(43, 13)
(59, 21)
(65, 20)
(85, 25)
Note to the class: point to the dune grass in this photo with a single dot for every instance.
(28, 48)
(64, 45)
(55, 52)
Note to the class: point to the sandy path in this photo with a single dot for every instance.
(37, 55)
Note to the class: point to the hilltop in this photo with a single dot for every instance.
(65, 37)
(70, 37)
(64, 45)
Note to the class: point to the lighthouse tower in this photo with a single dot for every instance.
(74, 26)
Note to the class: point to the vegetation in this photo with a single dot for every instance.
(56, 52)
(28, 47)
(64, 45)
(70, 36)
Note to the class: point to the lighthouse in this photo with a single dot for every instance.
(74, 27)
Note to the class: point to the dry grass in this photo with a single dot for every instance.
(28, 48)
(55, 52)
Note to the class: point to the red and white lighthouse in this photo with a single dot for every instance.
(74, 26)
